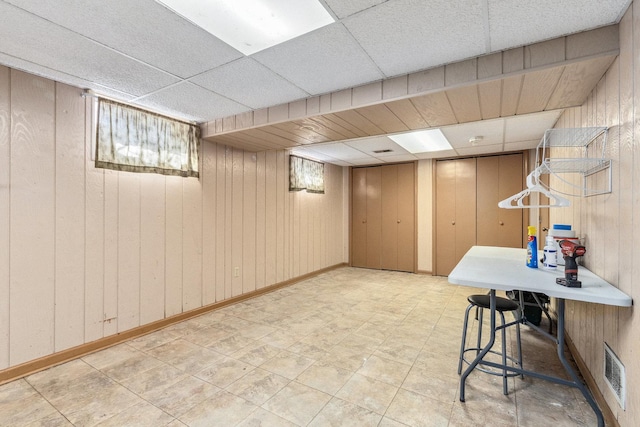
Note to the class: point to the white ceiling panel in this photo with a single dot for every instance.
(437, 154)
(266, 88)
(33, 39)
(378, 143)
(189, 102)
(521, 145)
(338, 150)
(491, 132)
(397, 158)
(516, 23)
(322, 61)
(480, 149)
(414, 35)
(145, 30)
(529, 126)
(342, 8)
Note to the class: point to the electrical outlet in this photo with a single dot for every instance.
(236, 271)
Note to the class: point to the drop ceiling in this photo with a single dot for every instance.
(142, 53)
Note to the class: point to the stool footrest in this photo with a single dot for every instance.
(499, 373)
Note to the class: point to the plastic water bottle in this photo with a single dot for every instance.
(549, 257)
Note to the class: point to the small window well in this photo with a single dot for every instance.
(305, 174)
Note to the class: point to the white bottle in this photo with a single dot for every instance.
(549, 254)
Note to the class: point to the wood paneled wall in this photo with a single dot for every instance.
(86, 253)
(608, 223)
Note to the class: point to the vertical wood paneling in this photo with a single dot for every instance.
(260, 224)
(94, 240)
(287, 216)
(5, 223)
(208, 178)
(152, 249)
(237, 222)
(228, 223)
(271, 219)
(173, 246)
(192, 244)
(221, 187)
(248, 264)
(281, 187)
(128, 251)
(110, 310)
(70, 219)
(32, 207)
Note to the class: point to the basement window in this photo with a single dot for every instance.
(134, 140)
(305, 174)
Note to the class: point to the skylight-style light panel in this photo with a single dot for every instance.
(423, 141)
(253, 25)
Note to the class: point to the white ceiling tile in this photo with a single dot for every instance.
(413, 35)
(338, 150)
(190, 102)
(33, 39)
(522, 145)
(436, 154)
(322, 61)
(365, 161)
(342, 8)
(491, 131)
(266, 88)
(516, 23)
(529, 126)
(378, 143)
(142, 29)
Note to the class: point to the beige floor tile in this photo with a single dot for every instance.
(388, 422)
(287, 364)
(231, 344)
(154, 339)
(340, 413)
(435, 385)
(20, 404)
(258, 386)
(297, 403)
(325, 377)
(110, 356)
(88, 409)
(134, 365)
(181, 396)
(385, 370)
(256, 354)
(142, 414)
(224, 372)
(186, 356)
(54, 420)
(263, 418)
(416, 410)
(157, 378)
(479, 414)
(368, 393)
(223, 409)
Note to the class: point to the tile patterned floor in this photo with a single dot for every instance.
(351, 347)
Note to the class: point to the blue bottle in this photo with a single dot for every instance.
(532, 248)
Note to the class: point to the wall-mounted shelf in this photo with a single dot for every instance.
(580, 151)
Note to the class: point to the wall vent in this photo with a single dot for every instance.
(386, 150)
(614, 375)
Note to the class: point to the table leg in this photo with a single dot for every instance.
(578, 382)
(485, 350)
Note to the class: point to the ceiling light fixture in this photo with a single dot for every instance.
(422, 141)
(253, 25)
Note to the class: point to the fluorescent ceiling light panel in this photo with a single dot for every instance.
(422, 141)
(253, 25)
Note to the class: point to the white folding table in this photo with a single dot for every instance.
(504, 269)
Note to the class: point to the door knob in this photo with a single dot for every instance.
(501, 223)
(453, 223)
(398, 221)
(364, 221)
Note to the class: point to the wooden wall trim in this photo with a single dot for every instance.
(33, 366)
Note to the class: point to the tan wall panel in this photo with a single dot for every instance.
(208, 176)
(221, 187)
(152, 248)
(94, 241)
(389, 217)
(374, 224)
(128, 251)
(237, 237)
(260, 224)
(110, 315)
(173, 246)
(70, 217)
(282, 185)
(32, 217)
(229, 235)
(248, 265)
(359, 217)
(5, 213)
(271, 219)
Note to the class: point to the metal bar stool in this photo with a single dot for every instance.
(481, 302)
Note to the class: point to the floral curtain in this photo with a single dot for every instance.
(305, 174)
(134, 140)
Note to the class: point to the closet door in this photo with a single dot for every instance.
(499, 177)
(374, 217)
(455, 212)
(398, 217)
(359, 217)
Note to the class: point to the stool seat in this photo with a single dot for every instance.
(484, 301)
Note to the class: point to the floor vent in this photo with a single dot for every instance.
(614, 374)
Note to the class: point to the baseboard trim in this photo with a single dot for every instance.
(609, 418)
(40, 364)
